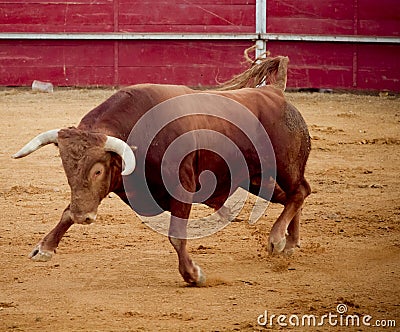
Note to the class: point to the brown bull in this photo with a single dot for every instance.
(96, 158)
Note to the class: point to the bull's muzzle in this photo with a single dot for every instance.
(83, 218)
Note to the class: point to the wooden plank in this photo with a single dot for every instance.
(195, 63)
(379, 18)
(319, 78)
(310, 26)
(194, 75)
(76, 76)
(316, 65)
(19, 2)
(330, 65)
(172, 3)
(193, 28)
(338, 9)
(56, 17)
(82, 17)
(312, 65)
(77, 63)
(175, 53)
(363, 17)
(310, 16)
(88, 75)
(314, 54)
(378, 67)
(165, 17)
(55, 53)
(61, 62)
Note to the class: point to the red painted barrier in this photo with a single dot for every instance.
(197, 62)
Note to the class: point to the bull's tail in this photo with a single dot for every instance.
(268, 70)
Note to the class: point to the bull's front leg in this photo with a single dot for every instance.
(45, 249)
(177, 235)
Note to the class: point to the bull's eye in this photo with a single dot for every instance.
(97, 171)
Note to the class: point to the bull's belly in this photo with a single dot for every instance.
(146, 210)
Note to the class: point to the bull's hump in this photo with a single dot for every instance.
(159, 91)
(261, 100)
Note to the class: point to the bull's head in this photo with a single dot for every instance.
(88, 165)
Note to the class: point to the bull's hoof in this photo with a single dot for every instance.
(278, 247)
(227, 214)
(201, 281)
(290, 246)
(198, 281)
(288, 252)
(40, 255)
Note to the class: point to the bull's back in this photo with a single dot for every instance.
(117, 115)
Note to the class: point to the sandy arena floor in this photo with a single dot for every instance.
(119, 275)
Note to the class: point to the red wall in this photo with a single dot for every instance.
(334, 17)
(338, 65)
(195, 62)
(93, 62)
(127, 16)
(81, 62)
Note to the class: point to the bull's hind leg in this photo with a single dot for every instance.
(284, 235)
(44, 250)
(177, 235)
(293, 234)
(293, 230)
(292, 237)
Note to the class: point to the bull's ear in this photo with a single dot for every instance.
(133, 147)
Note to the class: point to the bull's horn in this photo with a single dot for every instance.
(40, 140)
(118, 146)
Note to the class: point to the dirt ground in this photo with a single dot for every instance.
(119, 275)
